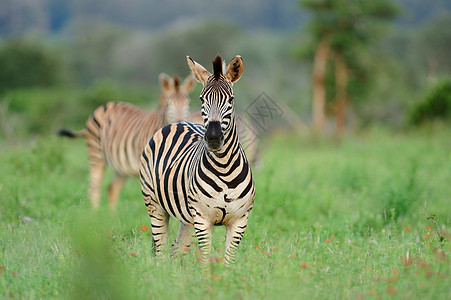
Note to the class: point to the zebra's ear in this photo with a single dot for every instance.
(166, 82)
(199, 72)
(235, 69)
(189, 83)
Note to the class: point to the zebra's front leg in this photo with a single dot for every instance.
(114, 189)
(183, 240)
(159, 220)
(234, 234)
(203, 230)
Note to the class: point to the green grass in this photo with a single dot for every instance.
(330, 221)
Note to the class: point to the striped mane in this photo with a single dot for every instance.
(176, 82)
(217, 66)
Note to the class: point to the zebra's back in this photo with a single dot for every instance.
(117, 132)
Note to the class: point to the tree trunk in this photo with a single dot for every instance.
(341, 97)
(319, 87)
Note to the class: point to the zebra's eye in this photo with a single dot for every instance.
(202, 100)
(231, 99)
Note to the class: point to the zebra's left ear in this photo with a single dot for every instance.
(166, 82)
(235, 69)
(189, 83)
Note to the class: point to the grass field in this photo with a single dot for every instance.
(366, 219)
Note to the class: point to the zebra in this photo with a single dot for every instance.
(117, 132)
(247, 134)
(199, 173)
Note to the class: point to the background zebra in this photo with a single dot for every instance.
(200, 174)
(117, 132)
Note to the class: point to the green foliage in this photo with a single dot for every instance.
(100, 274)
(26, 65)
(34, 111)
(435, 105)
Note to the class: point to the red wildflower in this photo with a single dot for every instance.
(423, 264)
(391, 290)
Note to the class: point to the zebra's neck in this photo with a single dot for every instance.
(231, 145)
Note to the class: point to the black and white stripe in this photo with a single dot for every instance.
(199, 174)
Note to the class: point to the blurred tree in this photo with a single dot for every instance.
(26, 65)
(433, 46)
(341, 30)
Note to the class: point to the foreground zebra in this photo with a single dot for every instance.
(117, 132)
(200, 175)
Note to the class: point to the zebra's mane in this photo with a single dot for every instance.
(217, 66)
(176, 82)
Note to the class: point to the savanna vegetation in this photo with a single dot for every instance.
(363, 214)
(366, 219)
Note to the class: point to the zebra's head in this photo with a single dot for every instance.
(174, 97)
(217, 97)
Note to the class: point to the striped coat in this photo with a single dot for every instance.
(199, 174)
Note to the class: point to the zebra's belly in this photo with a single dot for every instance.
(125, 168)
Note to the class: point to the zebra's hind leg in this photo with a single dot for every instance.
(183, 240)
(234, 234)
(159, 220)
(114, 190)
(203, 230)
(97, 171)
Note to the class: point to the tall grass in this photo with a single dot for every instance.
(330, 221)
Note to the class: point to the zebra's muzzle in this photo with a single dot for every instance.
(214, 137)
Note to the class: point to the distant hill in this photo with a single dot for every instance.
(50, 16)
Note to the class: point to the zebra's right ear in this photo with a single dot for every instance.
(166, 82)
(189, 83)
(199, 72)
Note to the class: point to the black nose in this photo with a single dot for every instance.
(214, 136)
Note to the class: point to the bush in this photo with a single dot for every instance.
(26, 65)
(435, 105)
(36, 111)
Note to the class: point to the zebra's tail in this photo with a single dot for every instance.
(71, 134)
